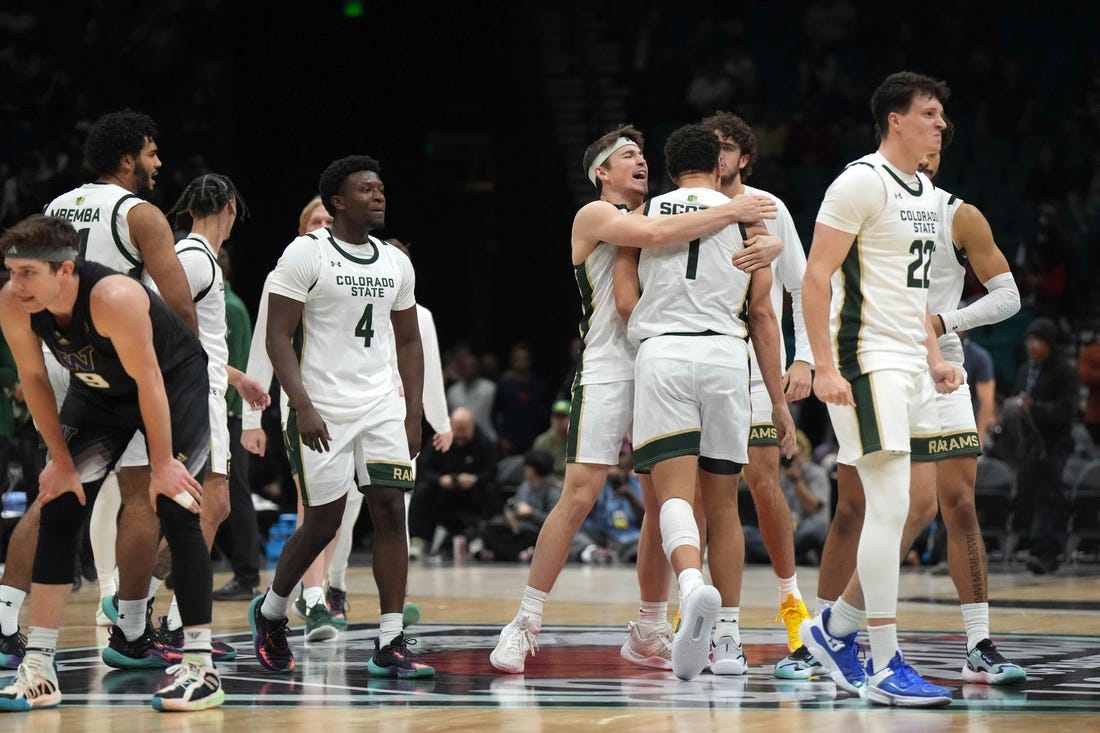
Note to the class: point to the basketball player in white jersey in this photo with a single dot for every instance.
(878, 369)
(963, 237)
(603, 392)
(738, 150)
(119, 229)
(214, 205)
(691, 406)
(332, 296)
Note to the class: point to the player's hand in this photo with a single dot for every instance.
(946, 377)
(748, 208)
(312, 430)
(414, 434)
(833, 389)
(797, 382)
(442, 441)
(253, 392)
(759, 251)
(59, 478)
(785, 429)
(254, 440)
(174, 481)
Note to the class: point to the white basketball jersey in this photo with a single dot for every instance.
(348, 291)
(98, 213)
(691, 288)
(606, 355)
(204, 277)
(947, 275)
(787, 271)
(880, 291)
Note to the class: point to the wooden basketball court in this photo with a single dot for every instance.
(1050, 624)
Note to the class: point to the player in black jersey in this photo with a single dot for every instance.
(134, 366)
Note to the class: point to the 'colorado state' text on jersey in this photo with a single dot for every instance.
(947, 275)
(92, 359)
(691, 288)
(98, 213)
(606, 355)
(348, 291)
(880, 291)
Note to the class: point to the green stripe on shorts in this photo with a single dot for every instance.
(573, 437)
(384, 473)
(940, 447)
(870, 436)
(661, 448)
(763, 433)
(293, 440)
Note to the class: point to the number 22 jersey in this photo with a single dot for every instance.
(880, 291)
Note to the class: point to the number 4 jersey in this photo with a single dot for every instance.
(880, 291)
(348, 291)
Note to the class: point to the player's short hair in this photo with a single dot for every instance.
(207, 195)
(114, 135)
(691, 149)
(603, 141)
(731, 126)
(40, 237)
(896, 94)
(338, 171)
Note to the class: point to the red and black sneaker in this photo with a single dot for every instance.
(395, 660)
(145, 652)
(220, 650)
(269, 639)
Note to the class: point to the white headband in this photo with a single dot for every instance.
(605, 154)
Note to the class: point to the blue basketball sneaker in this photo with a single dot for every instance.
(899, 685)
(837, 654)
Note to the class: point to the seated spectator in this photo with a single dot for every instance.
(615, 522)
(511, 535)
(456, 490)
(555, 439)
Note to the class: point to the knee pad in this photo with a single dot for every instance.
(678, 526)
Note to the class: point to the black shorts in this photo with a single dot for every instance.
(97, 428)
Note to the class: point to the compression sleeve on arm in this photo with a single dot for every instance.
(1002, 301)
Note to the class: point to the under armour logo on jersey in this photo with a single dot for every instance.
(897, 195)
(335, 263)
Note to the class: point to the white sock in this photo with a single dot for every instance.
(131, 618)
(821, 604)
(274, 606)
(727, 624)
(976, 623)
(689, 580)
(844, 619)
(11, 600)
(652, 617)
(389, 627)
(313, 596)
(42, 647)
(531, 606)
(196, 645)
(154, 586)
(788, 587)
(884, 644)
